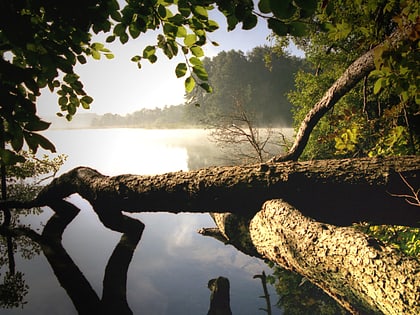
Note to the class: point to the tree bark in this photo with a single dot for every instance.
(338, 192)
(361, 273)
(359, 69)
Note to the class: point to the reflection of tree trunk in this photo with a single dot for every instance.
(83, 296)
(362, 274)
(68, 274)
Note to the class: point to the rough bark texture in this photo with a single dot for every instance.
(359, 69)
(361, 273)
(339, 192)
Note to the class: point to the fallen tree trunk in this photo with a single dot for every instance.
(362, 274)
(339, 192)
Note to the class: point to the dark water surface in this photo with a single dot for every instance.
(171, 264)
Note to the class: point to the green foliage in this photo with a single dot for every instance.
(404, 238)
(347, 141)
(400, 70)
(37, 169)
(297, 296)
(379, 116)
(234, 75)
(39, 44)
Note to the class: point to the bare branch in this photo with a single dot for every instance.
(413, 199)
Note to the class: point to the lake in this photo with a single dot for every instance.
(172, 263)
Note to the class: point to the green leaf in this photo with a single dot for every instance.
(81, 59)
(10, 158)
(123, 38)
(378, 85)
(197, 51)
(249, 21)
(110, 39)
(189, 84)
(134, 30)
(17, 140)
(181, 70)
(63, 100)
(200, 11)
(152, 58)
(278, 27)
(162, 11)
(85, 105)
(308, 5)
(71, 78)
(181, 31)
(212, 26)
(264, 6)
(96, 55)
(119, 29)
(195, 61)
(232, 22)
(87, 99)
(136, 58)
(190, 40)
(283, 9)
(44, 142)
(297, 29)
(37, 125)
(149, 51)
(206, 87)
(201, 73)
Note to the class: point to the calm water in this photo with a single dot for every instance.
(172, 263)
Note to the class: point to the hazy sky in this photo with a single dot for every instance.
(118, 86)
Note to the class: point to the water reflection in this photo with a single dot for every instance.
(78, 288)
(114, 286)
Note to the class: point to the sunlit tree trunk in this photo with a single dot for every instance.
(358, 70)
(361, 273)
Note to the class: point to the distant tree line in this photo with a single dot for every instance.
(167, 117)
(260, 80)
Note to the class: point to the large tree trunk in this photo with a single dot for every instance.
(362, 274)
(339, 192)
(358, 70)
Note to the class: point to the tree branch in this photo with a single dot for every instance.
(359, 69)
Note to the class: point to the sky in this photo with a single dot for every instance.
(119, 87)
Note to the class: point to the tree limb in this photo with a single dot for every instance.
(359, 69)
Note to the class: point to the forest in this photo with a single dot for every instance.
(339, 208)
(259, 77)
